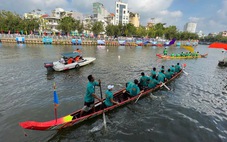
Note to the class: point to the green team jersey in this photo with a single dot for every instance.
(90, 90)
(109, 96)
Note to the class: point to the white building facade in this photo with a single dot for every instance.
(121, 13)
(35, 14)
(190, 27)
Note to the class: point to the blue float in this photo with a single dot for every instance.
(20, 39)
(47, 40)
(76, 41)
(101, 42)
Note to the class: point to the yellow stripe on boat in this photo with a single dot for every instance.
(68, 118)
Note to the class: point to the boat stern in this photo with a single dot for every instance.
(49, 66)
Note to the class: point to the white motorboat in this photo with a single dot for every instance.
(63, 65)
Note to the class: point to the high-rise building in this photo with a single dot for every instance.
(190, 27)
(121, 13)
(99, 12)
(134, 18)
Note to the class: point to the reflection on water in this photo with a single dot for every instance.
(194, 109)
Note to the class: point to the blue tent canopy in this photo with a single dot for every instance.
(71, 54)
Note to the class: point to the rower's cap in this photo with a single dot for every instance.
(110, 86)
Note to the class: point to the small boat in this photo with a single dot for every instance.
(222, 63)
(181, 57)
(60, 66)
(75, 118)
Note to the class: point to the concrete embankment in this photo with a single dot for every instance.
(64, 42)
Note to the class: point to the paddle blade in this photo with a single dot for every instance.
(185, 72)
(104, 120)
(163, 84)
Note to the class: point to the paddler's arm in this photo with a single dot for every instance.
(95, 96)
(114, 102)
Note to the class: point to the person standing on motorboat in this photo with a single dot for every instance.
(62, 60)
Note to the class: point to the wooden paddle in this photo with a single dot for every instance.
(103, 114)
(163, 84)
(139, 97)
(183, 67)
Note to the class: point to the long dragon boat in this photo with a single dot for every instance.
(75, 118)
(182, 57)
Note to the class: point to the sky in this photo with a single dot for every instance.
(210, 15)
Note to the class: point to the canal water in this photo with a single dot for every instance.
(193, 111)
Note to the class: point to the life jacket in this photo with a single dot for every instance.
(70, 60)
(77, 58)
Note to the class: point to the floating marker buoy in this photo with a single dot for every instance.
(119, 56)
(107, 50)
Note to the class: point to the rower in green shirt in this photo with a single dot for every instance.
(168, 74)
(172, 55)
(143, 80)
(172, 69)
(197, 54)
(135, 90)
(152, 82)
(189, 54)
(153, 72)
(165, 51)
(162, 69)
(109, 97)
(129, 86)
(177, 68)
(161, 76)
(186, 54)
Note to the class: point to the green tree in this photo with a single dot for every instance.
(141, 31)
(170, 32)
(97, 28)
(130, 29)
(10, 21)
(110, 30)
(79, 26)
(67, 24)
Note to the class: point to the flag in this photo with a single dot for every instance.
(56, 102)
(189, 48)
(218, 45)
